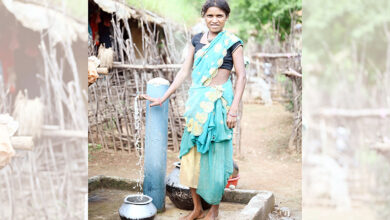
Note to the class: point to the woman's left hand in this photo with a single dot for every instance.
(231, 120)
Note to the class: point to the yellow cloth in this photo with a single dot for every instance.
(190, 168)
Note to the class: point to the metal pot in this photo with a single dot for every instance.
(180, 195)
(137, 207)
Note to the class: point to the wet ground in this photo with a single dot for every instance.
(104, 204)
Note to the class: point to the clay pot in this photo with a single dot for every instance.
(180, 195)
(137, 207)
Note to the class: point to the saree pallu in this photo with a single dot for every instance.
(206, 113)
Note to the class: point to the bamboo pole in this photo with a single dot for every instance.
(275, 55)
(100, 133)
(125, 113)
(292, 72)
(110, 104)
(118, 122)
(354, 113)
(22, 142)
(173, 129)
(65, 133)
(293, 136)
(102, 70)
(146, 66)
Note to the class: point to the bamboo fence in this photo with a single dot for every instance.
(289, 65)
(47, 179)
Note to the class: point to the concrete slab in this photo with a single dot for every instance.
(237, 204)
(258, 207)
(104, 204)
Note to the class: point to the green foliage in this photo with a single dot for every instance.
(380, 165)
(246, 15)
(263, 16)
(183, 11)
(344, 34)
(281, 78)
(93, 148)
(288, 86)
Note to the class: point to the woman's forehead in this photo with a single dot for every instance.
(214, 11)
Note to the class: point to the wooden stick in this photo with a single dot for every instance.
(291, 145)
(381, 146)
(102, 70)
(292, 72)
(354, 113)
(118, 115)
(146, 66)
(55, 131)
(22, 142)
(173, 128)
(275, 55)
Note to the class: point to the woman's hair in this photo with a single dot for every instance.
(221, 4)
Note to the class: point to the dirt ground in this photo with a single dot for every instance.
(264, 163)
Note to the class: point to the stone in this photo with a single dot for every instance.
(259, 207)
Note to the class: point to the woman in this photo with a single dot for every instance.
(206, 149)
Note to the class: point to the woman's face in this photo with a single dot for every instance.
(215, 19)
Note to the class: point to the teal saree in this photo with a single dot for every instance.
(205, 115)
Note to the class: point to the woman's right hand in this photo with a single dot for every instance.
(153, 101)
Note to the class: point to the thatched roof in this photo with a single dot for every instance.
(37, 17)
(124, 11)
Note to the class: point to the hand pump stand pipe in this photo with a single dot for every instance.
(156, 142)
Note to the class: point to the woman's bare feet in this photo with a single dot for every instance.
(195, 214)
(213, 213)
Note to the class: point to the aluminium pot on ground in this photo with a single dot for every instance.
(137, 207)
